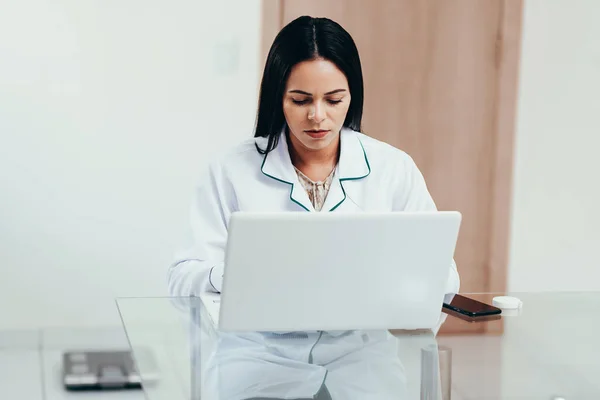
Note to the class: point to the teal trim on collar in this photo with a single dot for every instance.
(353, 178)
(282, 181)
(341, 179)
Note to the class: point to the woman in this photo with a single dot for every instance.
(307, 155)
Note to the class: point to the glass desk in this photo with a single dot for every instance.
(548, 350)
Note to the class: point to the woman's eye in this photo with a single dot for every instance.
(306, 101)
(300, 102)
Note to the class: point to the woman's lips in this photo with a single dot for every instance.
(317, 134)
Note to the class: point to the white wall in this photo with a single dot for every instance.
(556, 207)
(109, 111)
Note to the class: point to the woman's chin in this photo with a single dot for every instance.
(320, 144)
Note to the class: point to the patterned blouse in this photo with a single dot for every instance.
(317, 191)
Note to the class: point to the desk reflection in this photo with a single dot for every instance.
(310, 365)
(357, 364)
(306, 365)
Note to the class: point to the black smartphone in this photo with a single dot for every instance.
(472, 308)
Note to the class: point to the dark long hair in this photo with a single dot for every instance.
(303, 39)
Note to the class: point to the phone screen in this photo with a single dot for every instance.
(471, 307)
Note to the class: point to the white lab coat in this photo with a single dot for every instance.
(370, 176)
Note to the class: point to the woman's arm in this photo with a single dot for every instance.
(412, 195)
(198, 267)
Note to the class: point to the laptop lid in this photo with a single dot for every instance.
(334, 271)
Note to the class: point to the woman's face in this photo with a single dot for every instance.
(315, 104)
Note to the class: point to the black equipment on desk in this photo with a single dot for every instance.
(102, 370)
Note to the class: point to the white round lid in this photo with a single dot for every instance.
(507, 302)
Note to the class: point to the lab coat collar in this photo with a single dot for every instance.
(353, 165)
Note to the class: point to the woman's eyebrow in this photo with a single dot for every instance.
(335, 91)
(300, 92)
(310, 94)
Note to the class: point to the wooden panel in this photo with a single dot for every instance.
(272, 22)
(336, 10)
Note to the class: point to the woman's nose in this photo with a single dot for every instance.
(316, 113)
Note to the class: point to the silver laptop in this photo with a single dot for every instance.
(334, 271)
